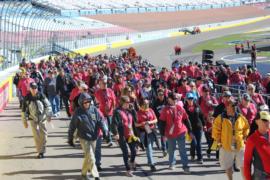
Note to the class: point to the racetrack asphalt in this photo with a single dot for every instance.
(17, 152)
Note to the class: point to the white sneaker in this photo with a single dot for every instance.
(171, 167)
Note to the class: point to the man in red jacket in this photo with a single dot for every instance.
(257, 152)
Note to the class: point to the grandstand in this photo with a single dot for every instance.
(89, 7)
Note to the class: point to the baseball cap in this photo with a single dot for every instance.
(246, 96)
(190, 96)
(264, 115)
(33, 85)
(227, 94)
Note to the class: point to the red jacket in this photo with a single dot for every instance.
(174, 116)
(144, 116)
(257, 143)
(107, 101)
(24, 85)
(249, 113)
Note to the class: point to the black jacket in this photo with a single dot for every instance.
(87, 121)
(196, 118)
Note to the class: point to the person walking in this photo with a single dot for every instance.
(146, 123)
(198, 126)
(123, 127)
(106, 99)
(230, 130)
(257, 152)
(37, 110)
(87, 120)
(174, 125)
(49, 86)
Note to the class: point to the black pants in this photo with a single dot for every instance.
(66, 103)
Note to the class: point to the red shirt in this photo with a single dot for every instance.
(127, 121)
(24, 85)
(258, 99)
(255, 77)
(144, 116)
(174, 117)
(249, 112)
(183, 90)
(106, 100)
(262, 146)
(204, 105)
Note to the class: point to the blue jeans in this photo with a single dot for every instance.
(181, 141)
(55, 103)
(98, 151)
(109, 122)
(196, 144)
(150, 138)
(132, 146)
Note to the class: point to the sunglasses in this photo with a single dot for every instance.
(87, 102)
(264, 120)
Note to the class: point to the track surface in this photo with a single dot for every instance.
(17, 153)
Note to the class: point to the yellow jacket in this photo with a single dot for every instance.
(222, 131)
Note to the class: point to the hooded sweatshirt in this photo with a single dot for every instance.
(87, 121)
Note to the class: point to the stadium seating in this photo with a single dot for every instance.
(111, 4)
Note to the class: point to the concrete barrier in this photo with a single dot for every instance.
(121, 43)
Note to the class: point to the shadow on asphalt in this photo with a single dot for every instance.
(18, 156)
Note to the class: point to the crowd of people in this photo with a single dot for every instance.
(128, 102)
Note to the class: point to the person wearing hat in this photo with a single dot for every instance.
(229, 131)
(174, 126)
(87, 120)
(206, 101)
(257, 151)
(198, 126)
(247, 108)
(37, 110)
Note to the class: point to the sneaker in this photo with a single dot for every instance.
(97, 178)
(153, 168)
(165, 153)
(235, 168)
(186, 170)
(99, 169)
(200, 161)
(110, 144)
(85, 177)
(171, 167)
(208, 155)
(192, 158)
(40, 156)
(129, 174)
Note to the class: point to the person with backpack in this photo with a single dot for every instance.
(257, 151)
(230, 130)
(37, 110)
